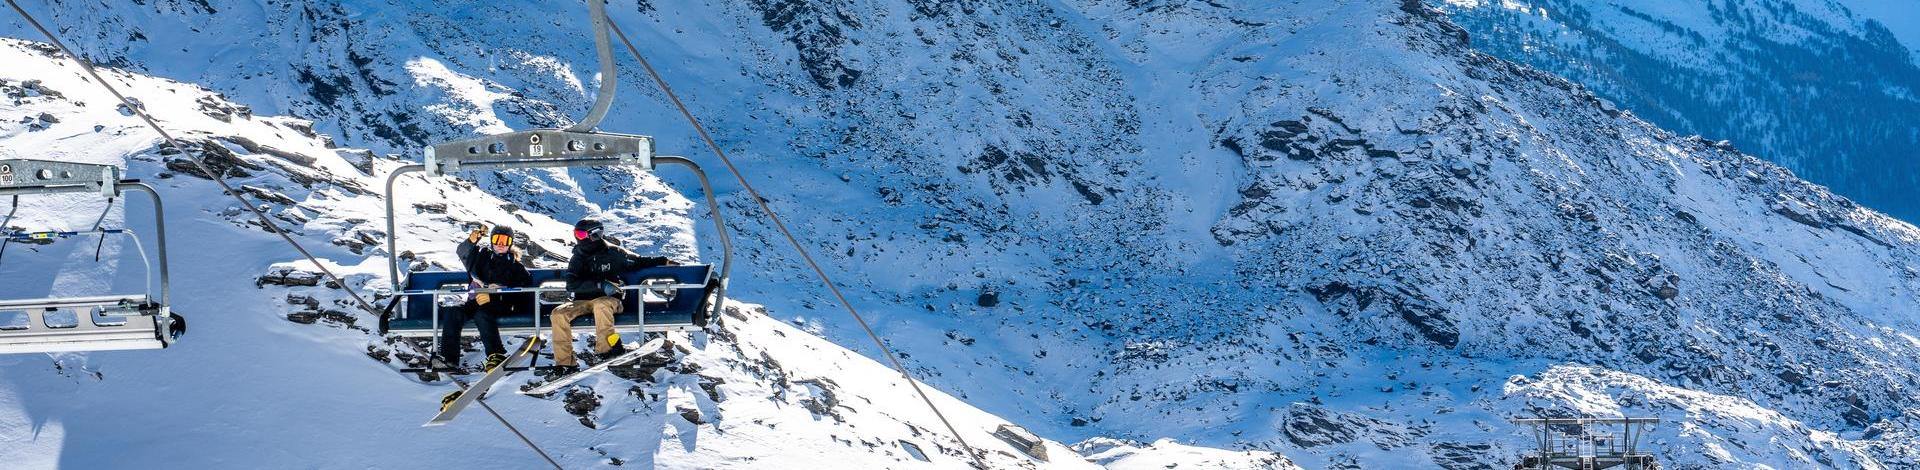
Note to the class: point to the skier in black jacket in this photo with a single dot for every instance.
(495, 264)
(594, 278)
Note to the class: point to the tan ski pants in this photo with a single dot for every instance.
(603, 310)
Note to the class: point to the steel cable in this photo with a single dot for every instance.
(795, 241)
(220, 178)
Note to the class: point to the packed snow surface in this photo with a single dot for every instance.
(1326, 234)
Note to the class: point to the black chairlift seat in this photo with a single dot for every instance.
(663, 298)
(91, 323)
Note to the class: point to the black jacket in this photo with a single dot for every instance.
(493, 268)
(597, 263)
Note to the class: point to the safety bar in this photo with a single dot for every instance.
(515, 290)
(1574, 421)
(24, 236)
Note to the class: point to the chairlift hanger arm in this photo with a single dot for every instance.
(609, 76)
(159, 234)
(719, 227)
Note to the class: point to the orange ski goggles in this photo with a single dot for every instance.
(502, 240)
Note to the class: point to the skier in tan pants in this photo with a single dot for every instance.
(594, 278)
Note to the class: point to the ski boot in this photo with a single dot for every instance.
(448, 399)
(556, 372)
(493, 360)
(440, 365)
(615, 347)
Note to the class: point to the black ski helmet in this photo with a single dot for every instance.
(502, 229)
(590, 227)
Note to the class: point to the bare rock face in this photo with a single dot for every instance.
(821, 399)
(581, 402)
(216, 157)
(290, 277)
(1307, 425)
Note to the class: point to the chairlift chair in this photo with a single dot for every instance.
(665, 298)
(103, 322)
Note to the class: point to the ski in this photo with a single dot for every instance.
(633, 355)
(468, 394)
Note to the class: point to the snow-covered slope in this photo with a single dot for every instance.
(1827, 88)
(1328, 230)
(273, 376)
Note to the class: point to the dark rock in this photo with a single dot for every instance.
(1432, 322)
(214, 156)
(268, 195)
(126, 111)
(257, 149)
(1312, 426)
(304, 318)
(823, 401)
(1667, 292)
(309, 317)
(692, 415)
(431, 207)
(218, 108)
(1854, 411)
(301, 299)
(1462, 456)
(286, 276)
(31, 88)
(988, 298)
(1797, 216)
(379, 354)
(580, 401)
(711, 385)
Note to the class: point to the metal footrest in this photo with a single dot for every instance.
(97, 324)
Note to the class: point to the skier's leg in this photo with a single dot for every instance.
(487, 322)
(451, 320)
(603, 334)
(563, 333)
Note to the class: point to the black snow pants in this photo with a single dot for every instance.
(486, 319)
